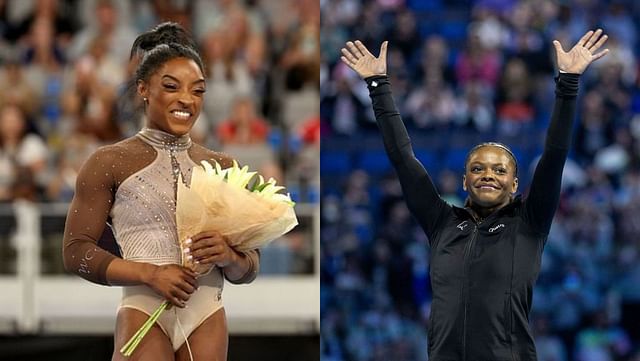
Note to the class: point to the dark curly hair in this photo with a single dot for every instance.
(164, 33)
(164, 42)
(151, 50)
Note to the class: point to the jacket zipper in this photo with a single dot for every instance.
(465, 290)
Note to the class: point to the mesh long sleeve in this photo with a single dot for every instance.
(87, 216)
(253, 256)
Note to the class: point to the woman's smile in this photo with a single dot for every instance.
(181, 115)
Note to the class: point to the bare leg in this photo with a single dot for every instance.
(209, 341)
(155, 346)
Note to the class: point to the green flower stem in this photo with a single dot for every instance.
(151, 319)
(133, 342)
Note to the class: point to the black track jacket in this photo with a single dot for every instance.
(482, 274)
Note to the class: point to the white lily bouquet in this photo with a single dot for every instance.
(250, 214)
(246, 210)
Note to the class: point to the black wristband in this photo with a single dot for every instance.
(567, 85)
(375, 81)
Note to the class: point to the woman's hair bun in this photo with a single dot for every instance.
(164, 33)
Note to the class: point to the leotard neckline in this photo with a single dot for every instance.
(162, 139)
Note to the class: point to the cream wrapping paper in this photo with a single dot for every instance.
(249, 220)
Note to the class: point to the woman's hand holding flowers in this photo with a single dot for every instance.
(211, 248)
(173, 282)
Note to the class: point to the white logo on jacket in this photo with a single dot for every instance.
(493, 229)
(462, 225)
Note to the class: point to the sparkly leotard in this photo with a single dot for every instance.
(134, 182)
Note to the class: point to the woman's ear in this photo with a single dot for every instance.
(514, 187)
(142, 89)
(464, 183)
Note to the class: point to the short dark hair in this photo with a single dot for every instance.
(164, 42)
(492, 144)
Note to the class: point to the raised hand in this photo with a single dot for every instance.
(582, 54)
(358, 58)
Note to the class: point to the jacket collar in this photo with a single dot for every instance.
(467, 213)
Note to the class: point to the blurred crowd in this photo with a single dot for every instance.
(65, 71)
(464, 72)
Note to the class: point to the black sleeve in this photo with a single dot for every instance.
(544, 194)
(421, 195)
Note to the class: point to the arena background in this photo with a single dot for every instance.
(63, 64)
(463, 72)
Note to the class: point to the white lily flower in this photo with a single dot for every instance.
(218, 199)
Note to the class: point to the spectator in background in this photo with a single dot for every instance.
(602, 341)
(15, 89)
(570, 20)
(614, 91)
(486, 23)
(525, 41)
(474, 109)
(301, 59)
(404, 33)
(309, 131)
(106, 27)
(244, 22)
(108, 69)
(56, 12)
(478, 63)
(44, 62)
(550, 347)
(77, 148)
(43, 48)
(343, 104)
(23, 156)
(616, 158)
(448, 186)
(514, 98)
(431, 105)
(243, 126)
(89, 103)
(435, 59)
(595, 129)
(368, 27)
(175, 11)
(619, 21)
(307, 159)
(627, 204)
(228, 76)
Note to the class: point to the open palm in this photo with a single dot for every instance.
(358, 58)
(582, 54)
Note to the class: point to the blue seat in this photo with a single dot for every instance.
(334, 162)
(454, 159)
(424, 5)
(454, 30)
(374, 162)
(429, 160)
(635, 102)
